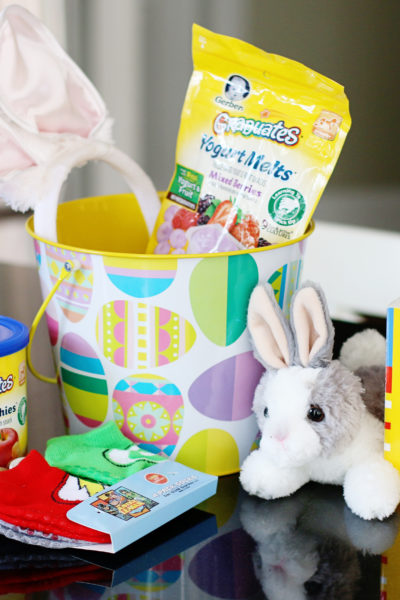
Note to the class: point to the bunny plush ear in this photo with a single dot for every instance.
(41, 88)
(312, 327)
(269, 329)
(52, 119)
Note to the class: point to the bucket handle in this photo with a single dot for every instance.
(70, 266)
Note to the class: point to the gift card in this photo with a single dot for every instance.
(143, 502)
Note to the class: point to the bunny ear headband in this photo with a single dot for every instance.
(52, 119)
(307, 340)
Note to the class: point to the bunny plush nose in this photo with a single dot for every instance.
(280, 434)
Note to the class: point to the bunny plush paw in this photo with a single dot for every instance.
(372, 489)
(259, 478)
(372, 536)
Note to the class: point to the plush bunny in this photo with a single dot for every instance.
(317, 422)
(52, 119)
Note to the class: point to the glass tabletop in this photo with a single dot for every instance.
(307, 546)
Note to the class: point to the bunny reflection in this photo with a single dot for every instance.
(319, 418)
(309, 546)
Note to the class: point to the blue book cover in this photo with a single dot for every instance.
(139, 504)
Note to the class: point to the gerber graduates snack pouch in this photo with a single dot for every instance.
(258, 140)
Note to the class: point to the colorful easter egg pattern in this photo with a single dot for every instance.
(52, 326)
(285, 282)
(140, 336)
(160, 576)
(52, 323)
(75, 293)
(83, 380)
(51, 315)
(149, 409)
(225, 391)
(212, 451)
(256, 444)
(167, 450)
(219, 294)
(233, 552)
(38, 255)
(139, 278)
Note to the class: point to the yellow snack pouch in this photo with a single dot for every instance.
(258, 140)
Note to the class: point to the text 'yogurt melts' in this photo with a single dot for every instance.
(14, 337)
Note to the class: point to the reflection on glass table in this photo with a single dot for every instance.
(311, 546)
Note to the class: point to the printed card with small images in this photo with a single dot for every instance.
(141, 503)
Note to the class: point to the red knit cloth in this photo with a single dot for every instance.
(38, 496)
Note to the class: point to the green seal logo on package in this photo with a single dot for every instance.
(286, 206)
(258, 140)
(22, 411)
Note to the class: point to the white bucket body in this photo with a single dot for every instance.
(160, 345)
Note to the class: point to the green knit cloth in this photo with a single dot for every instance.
(103, 454)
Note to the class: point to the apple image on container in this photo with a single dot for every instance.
(9, 446)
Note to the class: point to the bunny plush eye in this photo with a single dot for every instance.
(315, 413)
(266, 411)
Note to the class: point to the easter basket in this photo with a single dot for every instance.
(157, 343)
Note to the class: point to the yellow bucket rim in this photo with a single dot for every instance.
(30, 229)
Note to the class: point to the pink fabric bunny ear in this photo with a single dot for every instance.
(12, 155)
(52, 119)
(41, 88)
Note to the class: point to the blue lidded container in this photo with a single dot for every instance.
(14, 338)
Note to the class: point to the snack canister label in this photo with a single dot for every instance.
(13, 391)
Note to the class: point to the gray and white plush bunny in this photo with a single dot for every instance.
(319, 420)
